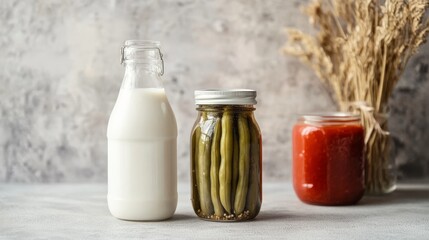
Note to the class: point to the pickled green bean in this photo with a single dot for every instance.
(204, 146)
(225, 170)
(214, 169)
(235, 161)
(253, 203)
(194, 166)
(243, 176)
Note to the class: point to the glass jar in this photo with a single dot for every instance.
(380, 168)
(226, 159)
(328, 159)
(141, 134)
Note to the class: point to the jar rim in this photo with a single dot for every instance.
(142, 43)
(330, 117)
(225, 97)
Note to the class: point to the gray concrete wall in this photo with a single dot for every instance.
(60, 75)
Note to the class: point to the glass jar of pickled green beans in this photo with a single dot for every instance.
(226, 156)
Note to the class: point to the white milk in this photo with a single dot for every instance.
(142, 164)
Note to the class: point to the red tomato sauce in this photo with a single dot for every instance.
(328, 163)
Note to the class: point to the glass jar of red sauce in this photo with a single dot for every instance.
(328, 159)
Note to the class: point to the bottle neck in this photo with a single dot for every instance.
(143, 64)
(141, 75)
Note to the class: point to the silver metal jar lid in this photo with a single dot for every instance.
(225, 97)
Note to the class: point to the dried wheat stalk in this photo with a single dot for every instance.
(360, 52)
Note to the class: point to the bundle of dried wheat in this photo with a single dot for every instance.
(360, 51)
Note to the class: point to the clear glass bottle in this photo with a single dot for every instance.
(142, 139)
(226, 159)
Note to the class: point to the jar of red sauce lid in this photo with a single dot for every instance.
(328, 159)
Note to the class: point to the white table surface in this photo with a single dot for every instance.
(79, 211)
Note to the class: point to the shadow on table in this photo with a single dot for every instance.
(272, 215)
(175, 217)
(182, 217)
(408, 195)
(310, 216)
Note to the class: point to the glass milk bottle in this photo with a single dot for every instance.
(142, 139)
